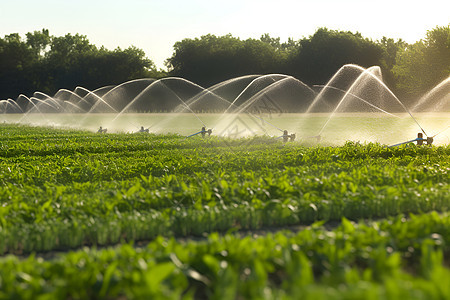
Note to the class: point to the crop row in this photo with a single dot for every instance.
(56, 219)
(391, 259)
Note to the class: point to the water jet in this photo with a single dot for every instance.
(355, 104)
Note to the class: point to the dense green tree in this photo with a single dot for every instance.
(211, 59)
(274, 42)
(424, 64)
(47, 63)
(115, 67)
(17, 60)
(74, 61)
(66, 61)
(390, 49)
(321, 55)
(39, 42)
(207, 60)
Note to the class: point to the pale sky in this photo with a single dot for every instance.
(155, 26)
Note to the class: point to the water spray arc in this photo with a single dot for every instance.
(248, 105)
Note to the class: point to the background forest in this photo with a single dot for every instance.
(42, 62)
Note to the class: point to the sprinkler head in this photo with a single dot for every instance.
(102, 130)
(285, 136)
(420, 138)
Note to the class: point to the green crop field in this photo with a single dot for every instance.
(143, 216)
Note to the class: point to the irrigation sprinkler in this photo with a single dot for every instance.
(102, 130)
(419, 140)
(203, 132)
(144, 130)
(286, 136)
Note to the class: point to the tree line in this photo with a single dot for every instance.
(47, 63)
(41, 62)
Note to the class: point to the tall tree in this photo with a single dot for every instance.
(390, 49)
(39, 42)
(424, 64)
(211, 59)
(321, 55)
(16, 62)
(47, 63)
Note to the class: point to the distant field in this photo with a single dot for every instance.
(133, 216)
(334, 129)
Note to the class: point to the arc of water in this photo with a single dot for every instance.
(150, 80)
(44, 102)
(431, 92)
(92, 107)
(357, 97)
(251, 99)
(15, 104)
(32, 103)
(6, 105)
(187, 106)
(47, 97)
(259, 93)
(251, 83)
(193, 100)
(271, 86)
(12, 103)
(80, 99)
(267, 88)
(75, 106)
(28, 100)
(211, 90)
(270, 76)
(90, 93)
(160, 81)
(39, 101)
(112, 90)
(103, 90)
(60, 91)
(319, 96)
(367, 72)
